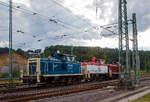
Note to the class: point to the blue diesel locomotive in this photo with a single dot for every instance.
(56, 69)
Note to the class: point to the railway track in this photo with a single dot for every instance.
(61, 91)
(17, 88)
(25, 87)
(32, 87)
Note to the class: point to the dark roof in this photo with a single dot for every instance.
(4, 50)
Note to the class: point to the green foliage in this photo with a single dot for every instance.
(16, 73)
(22, 52)
(84, 53)
(145, 60)
(145, 98)
(5, 75)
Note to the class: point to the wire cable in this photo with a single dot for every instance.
(56, 21)
(54, 1)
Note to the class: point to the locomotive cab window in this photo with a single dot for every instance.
(32, 68)
(97, 61)
(62, 57)
(70, 58)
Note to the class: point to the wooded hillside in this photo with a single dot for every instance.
(86, 54)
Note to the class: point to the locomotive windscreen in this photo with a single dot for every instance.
(32, 68)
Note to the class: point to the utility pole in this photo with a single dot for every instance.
(135, 54)
(124, 69)
(10, 44)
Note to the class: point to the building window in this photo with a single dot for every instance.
(5, 72)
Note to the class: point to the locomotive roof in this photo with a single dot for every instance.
(60, 54)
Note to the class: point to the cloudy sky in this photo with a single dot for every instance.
(41, 23)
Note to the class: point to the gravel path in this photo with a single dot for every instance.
(88, 96)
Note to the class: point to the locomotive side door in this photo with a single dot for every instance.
(69, 63)
(70, 67)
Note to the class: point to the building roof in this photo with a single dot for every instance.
(4, 51)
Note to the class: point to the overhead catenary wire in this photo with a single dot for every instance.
(54, 1)
(36, 13)
(56, 21)
(60, 21)
(51, 20)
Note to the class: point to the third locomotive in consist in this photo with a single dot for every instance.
(62, 68)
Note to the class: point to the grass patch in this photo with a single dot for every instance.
(7, 82)
(145, 98)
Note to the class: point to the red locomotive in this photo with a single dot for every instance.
(97, 69)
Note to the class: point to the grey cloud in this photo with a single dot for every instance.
(40, 28)
(141, 8)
